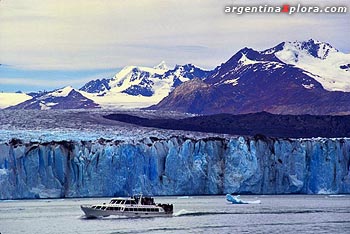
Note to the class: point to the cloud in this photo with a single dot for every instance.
(98, 34)
(39, 83)
(50, 80)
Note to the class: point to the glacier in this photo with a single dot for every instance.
(173, 165)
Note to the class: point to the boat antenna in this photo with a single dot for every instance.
(140, 200)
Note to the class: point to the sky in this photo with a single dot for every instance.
(50, 44)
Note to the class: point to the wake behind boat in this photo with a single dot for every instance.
(136, 206)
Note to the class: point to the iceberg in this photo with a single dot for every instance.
(237, 200)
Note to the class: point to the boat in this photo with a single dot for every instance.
(237, 200)
(135, 206)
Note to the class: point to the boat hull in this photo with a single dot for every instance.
(96, 213)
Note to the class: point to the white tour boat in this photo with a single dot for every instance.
(136, 206)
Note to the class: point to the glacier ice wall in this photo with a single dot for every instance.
(174, 166)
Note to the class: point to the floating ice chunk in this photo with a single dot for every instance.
(237, 200)
(185, 197)
(325, 192)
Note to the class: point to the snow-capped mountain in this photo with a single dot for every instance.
(323, 62)
(162, 66)
(137, 86)
(291, 78)
(64, 98)
(254, 81)
(11, 99)
(132, 87)
(96, 86)
(181, 74)
(135, 80)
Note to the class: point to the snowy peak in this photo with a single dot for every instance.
(132, 75)
(161, 66)
(135, 80)
(250, 56)
(320, 60)
(246, 61)
(64, 98)
(96, 86)
(63, 92)
(137, 86)
(11, 99)
(292, 77)
(314, 48)
(187, 72)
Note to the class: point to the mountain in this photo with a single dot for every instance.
(132, 87)
(254, 81)
(11, 99)
(323, 62)
(96, 86)
(137, 86)
(300, 77)
(64, 98)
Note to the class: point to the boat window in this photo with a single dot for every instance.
(130, 202)
(98, 207)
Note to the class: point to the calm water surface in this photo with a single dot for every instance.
(207, 214)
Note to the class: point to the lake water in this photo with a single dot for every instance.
(204, 214)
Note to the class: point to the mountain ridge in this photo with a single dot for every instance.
(291, 77)
(254, 81)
